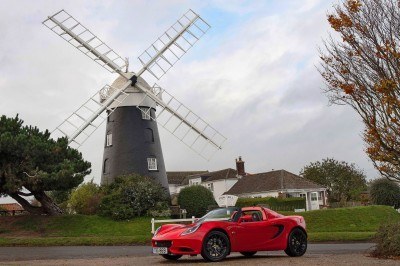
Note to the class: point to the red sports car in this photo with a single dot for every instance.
(225, 230)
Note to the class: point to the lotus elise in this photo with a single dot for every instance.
(226, 230)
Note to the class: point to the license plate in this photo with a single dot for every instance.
(162, 250)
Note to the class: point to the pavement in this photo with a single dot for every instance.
(8, 254)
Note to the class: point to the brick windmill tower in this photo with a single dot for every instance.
(133, 108)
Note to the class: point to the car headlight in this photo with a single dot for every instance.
(191, 230)
(157, 230)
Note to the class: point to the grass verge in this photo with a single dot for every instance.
(341, 225)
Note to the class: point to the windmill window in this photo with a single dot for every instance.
(152, 164)
(109, 139)
(109, 118)
(149, 136)
(145, 113)
(106, 166)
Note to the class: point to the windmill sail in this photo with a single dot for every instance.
(87, 118)
(183, 123)
(68, 28)
(156, 60)
(173, 44)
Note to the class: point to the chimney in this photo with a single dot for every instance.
(240, 167)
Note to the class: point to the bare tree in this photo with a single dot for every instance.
(362, 69)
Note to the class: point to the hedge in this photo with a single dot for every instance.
(196, 200)
(287, 204)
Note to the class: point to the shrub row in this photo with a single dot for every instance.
(287, 204)
(387, 241)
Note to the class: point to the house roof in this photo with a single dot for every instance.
(222, 174)
(216, 175)
(271, 181)
(178, 177)
(11, 207)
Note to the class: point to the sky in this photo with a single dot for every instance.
(253, 77)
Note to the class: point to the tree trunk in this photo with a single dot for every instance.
(48, 205)
(26, 205)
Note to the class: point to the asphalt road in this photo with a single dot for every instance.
(89, 252)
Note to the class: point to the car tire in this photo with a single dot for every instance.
(216, 246)
(297, 243)
(248, 253)
(171, 257)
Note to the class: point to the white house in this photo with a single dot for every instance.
(238, 183)
(280, 183)
(218, 182)
(179, 179)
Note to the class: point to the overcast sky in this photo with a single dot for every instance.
(252, 76)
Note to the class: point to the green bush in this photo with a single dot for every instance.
(387, 241)
(385, 192)
(132, 195)
(196, 200)
(288, 204)
(86, 199)
(160, 210)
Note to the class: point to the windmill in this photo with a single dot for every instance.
(133, 108)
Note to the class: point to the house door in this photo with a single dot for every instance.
(314, 201)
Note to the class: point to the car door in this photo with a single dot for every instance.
(255, 235)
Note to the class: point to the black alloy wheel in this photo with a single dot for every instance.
(248, 253)
(216, 246)
(171, 257)
(297, 243)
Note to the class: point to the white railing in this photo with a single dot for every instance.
(193, 219)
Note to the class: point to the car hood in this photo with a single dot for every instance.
(173, 228)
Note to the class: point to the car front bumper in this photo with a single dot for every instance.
(179, 246)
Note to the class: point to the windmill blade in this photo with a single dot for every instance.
(68, 28)
(87, 118)
(173, 44)
(181, 122)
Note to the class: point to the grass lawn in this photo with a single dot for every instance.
(346, 224)
(72, 230)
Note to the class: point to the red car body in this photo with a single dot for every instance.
(245, 232)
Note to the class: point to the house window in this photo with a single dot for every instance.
(109, 139)
(210, 187)
(152, 164)
(193, 183)
(106, 166)
(314, 196)
(145, 113)
(302, 195)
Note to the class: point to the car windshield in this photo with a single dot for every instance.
(224, 213)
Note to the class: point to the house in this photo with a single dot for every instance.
(218, 182)
(228, 184)
(280, 183)
(11, 209)
(177, 180)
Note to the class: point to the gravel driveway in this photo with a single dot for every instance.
(317, 254)
(235, 259)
